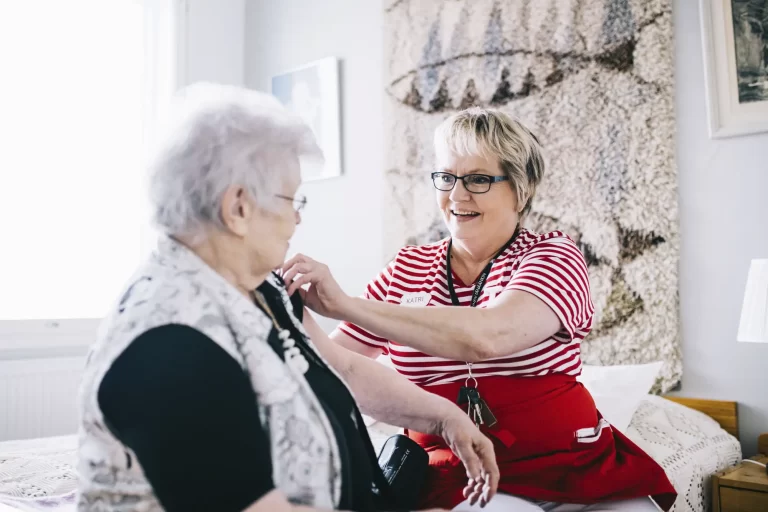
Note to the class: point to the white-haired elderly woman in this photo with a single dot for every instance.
(204, 391)
(496, 318)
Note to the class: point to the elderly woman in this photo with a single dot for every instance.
(204, 390)
(496, 316)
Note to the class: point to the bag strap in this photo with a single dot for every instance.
(386, 500)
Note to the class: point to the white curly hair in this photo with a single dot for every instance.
(219, 136)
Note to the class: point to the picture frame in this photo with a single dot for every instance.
(735, 48)
(312, 92)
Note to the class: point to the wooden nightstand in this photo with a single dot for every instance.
(743, 488)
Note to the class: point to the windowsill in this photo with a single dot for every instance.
(27, 339)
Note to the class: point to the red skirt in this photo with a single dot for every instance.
(551, 444)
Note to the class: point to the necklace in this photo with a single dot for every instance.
(291, 352)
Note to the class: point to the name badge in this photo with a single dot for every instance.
(415, 299)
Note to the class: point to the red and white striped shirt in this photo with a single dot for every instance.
(549, 266)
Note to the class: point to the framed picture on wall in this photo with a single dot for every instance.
(735, 39)
(312, 92)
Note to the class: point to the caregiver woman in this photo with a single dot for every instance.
(500, 314)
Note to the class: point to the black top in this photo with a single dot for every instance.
(340, 408)
(188, 411)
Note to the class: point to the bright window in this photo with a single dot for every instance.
(81, 83)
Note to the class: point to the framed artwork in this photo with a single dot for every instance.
(312, 92)
(735, 39)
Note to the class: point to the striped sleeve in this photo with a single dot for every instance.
(376, 290)
(555, 272)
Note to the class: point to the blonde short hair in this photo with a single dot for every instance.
(492, 133)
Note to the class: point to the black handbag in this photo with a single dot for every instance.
(404, 466)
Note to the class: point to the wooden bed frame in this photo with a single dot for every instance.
(724, 412)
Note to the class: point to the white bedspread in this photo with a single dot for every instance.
(38, 474)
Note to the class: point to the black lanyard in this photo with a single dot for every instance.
(483, 275)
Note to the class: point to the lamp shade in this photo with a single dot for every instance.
(754, 311)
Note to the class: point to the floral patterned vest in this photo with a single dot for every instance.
(175, 287)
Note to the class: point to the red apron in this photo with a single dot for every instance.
(551, 444)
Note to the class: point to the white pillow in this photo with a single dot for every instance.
(618, 390)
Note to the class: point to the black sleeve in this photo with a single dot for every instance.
(188, 411)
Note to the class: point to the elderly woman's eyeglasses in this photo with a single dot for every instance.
(299, 202)
(474, 183)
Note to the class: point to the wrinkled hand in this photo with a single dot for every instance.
(475, 450)
(324, 295)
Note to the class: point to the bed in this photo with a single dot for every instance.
(38, 474)
(691, 439)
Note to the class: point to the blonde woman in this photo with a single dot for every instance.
(495, 319)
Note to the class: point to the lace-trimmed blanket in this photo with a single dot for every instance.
(38, 474)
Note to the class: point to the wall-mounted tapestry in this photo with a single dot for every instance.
(594, 80)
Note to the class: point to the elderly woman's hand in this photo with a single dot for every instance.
(475, 450)
(324, 295)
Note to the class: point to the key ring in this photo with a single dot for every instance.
(470, 376)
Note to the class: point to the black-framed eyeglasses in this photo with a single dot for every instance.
(299, 202)
(474, 183)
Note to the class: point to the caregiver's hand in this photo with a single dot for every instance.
(324, 295)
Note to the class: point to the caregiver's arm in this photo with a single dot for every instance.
(512, 322)
(352, 344)
(547, 296)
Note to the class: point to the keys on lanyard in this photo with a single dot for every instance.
(477, 409)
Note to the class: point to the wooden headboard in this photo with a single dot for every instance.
(724, 412)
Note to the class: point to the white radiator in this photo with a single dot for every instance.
(38, 396)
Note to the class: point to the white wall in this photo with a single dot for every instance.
(724, 224)
(342, 225)
(215, 41)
